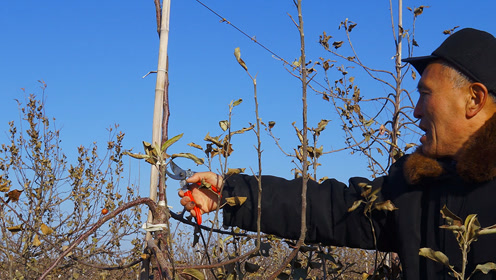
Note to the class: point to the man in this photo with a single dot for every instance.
(454, 167)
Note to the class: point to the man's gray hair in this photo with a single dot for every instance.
(458, 78)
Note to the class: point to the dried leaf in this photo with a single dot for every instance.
(195, 146)
(337, 44)
(437, 256)
(237, 54)
(355, 205)
(5, 186)
(46, 230)
(409, 145)
(231, 171)
(414, 75)
(214, 140)
(297, 63)
(351, 26)
(472, 227)
(321, 126)
(386, 205)
(298, 132)
(418, 11)
(13, 195)
(224, 125)
(485, 268)
(243, 130)
(15, 229)
(36, 241)
(450, 31)
(235, 201)
(451, 219)
(136, 156)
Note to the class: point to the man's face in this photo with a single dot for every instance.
(441, 110)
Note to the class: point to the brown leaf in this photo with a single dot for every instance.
(386, 205)
(450, 31)
(451, 218)
(13, 195)
(351, 26)
(337, 44)
(418, 11)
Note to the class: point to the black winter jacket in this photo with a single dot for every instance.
(418, 186)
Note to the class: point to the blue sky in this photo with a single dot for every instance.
(93, 54)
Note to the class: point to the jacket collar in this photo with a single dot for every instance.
(477, 161)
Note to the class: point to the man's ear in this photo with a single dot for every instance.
(477, 99)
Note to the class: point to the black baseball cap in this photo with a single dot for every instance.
(471, 51)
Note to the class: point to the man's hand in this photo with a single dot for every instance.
(205, 199)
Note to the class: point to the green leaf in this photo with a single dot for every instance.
(195, 273)
(237, 54)
(437, 256)
(237, 102)
(171, 141)
(189, 156)
(485, 268)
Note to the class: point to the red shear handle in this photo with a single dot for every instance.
(197, 210)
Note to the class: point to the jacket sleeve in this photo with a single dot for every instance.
(328, 219)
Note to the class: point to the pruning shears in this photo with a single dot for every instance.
(180, 174)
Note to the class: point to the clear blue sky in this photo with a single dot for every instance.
(92, 55)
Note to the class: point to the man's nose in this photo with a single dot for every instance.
(417, 112)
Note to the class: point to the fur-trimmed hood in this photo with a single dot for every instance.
(477, 161)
